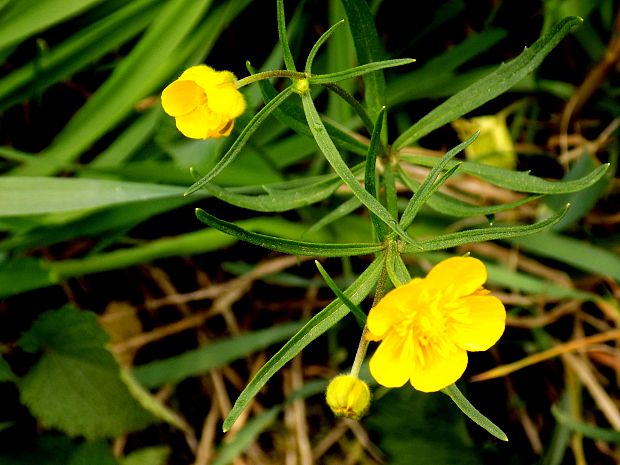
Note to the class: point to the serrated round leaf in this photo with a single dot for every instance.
(76, 386)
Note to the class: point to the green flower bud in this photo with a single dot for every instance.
(301, 86)
(348, 396)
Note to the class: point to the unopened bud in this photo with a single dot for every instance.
(348, 396)
(301, 86)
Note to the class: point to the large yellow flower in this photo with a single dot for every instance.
(427, 325)
(204, 102)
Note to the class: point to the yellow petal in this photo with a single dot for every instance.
(194, 124)
(181, 97)
(487, 323)
(439, 370)
(392, 308)
(226, 100)
(392, 362)
(202, 75)
(460, 276)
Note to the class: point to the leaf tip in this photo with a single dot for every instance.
(190, 191)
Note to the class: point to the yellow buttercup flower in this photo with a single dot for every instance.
(427, 325)
(204, 102)
(348, 396)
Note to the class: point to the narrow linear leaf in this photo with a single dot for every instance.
(18, 24)
(483, 234)
(452, 206)
(40, 195)
(340, 167)
(192, 243)
(288, 246)
(390, 263)
(368, 48)
(135, 76)
(585, 200)
(289, 62)
(401, 270)
(589, 431)
(489, 87)
(389, 186)
(315, 48)
(231, 450)
(583, 256)
(359, 315)
(279, 200)
(520, 181)
(521, 282)
(240, 142)
(358, 71)
(152, 404)
(474, 415)
(320, 323)
(83, 48)
(370, 173)
(244, 438)
(429, 186)
(212, 355)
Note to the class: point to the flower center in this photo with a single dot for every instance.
(426, 326)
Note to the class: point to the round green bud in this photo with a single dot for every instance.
(348, 396)
(301, 86)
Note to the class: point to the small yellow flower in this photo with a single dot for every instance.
(427, 325)
(494, 145)
(204, 102)
(348, 396)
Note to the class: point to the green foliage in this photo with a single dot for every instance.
(419, 428)
(210, 356)
(583, 256)
(6, 374)
(462, 403)
(320, 323)
(36, 196)
(369, 49)
(93, 453)
(157, 455)
(320, 163)
(490, 86)
(75, 386)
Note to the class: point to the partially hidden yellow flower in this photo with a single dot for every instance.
(204, 102)
(427, 325)
(494, 145)
(348, 396)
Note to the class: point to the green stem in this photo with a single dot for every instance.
(269, 74)
(363, 345)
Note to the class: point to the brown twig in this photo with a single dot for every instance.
(592, 81)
